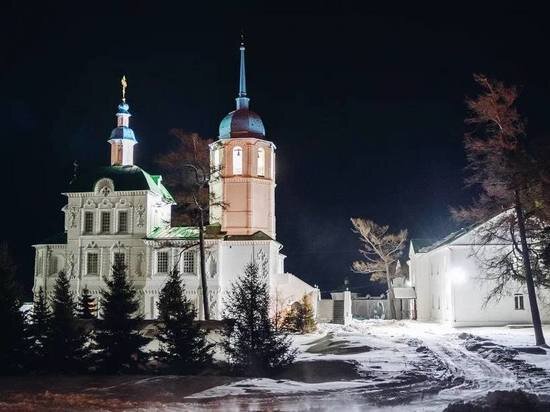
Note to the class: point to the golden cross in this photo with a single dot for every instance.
(124, 84)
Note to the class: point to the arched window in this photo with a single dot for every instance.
(261, 161)
(237, 161)
(216, 159)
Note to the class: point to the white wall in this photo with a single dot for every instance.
(451, 287)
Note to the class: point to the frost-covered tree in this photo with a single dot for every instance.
(86, 305)
(183, 345)
(381, 251)
(250, 340)
(12, 341)
(119, 342)
(511, 198)
(300, 318)
(67, 349)
(39, 331)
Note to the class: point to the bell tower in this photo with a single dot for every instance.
(122, 138)
(243, 183)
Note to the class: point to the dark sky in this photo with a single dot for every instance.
(366, 109)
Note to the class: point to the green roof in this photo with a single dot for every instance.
(178, 232)
(125, 178)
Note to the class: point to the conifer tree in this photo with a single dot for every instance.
(67, 349)
(300, 318)
(251, 341)
(86, 305)
(183, 345)
(39, 331)
(118, 339)
(12, 341)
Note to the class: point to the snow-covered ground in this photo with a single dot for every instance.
(425, 366)
(374, 365)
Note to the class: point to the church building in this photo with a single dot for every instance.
(121, 213)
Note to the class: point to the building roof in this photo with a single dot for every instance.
(242, 123)
(420, 243)
(125, 178)
(123, 132)
(259, 235)
(176, 233)
(192, 233)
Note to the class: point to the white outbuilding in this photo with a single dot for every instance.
(452, 285)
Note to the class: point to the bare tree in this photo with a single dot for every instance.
(381, 251)
(509, 200)
(188, 174)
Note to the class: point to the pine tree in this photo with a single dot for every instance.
(86, 305)
(12, 341)
(183, 345)
(300, 318)
(67, 349)
(251, 341)
(39, 331)
(118, 339)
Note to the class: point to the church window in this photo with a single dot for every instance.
(213, 268)
(39, 264)
(237, 161)
(261, 161)
(162, 262)
(119, 259)
(123, 222)
(105, 222)
(518, 302)
(88, 222)
(53, 265)
(189, 262)
(92, 263)
(216, 159)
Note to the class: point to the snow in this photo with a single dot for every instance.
(441, 368)
(369, 364)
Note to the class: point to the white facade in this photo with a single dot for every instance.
(451, 286)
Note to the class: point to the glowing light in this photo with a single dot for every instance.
(458, 275)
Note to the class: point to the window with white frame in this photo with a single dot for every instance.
(189, 262)
(162, 262)
(88, 222)
(216, 159)
(518, 302)
(119, 259)
(105, 222)
(123, 221)
(92, 263)
(53, 265)
(237, 161)
(261, 161)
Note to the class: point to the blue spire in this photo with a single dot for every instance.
(242, 100)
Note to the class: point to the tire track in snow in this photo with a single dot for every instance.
(480, 375)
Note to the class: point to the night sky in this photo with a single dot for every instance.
(366, 109)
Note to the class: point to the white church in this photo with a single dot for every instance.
(451, 284)
(121, 213)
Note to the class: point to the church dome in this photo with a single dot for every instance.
(123, 132)
(242, 123)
